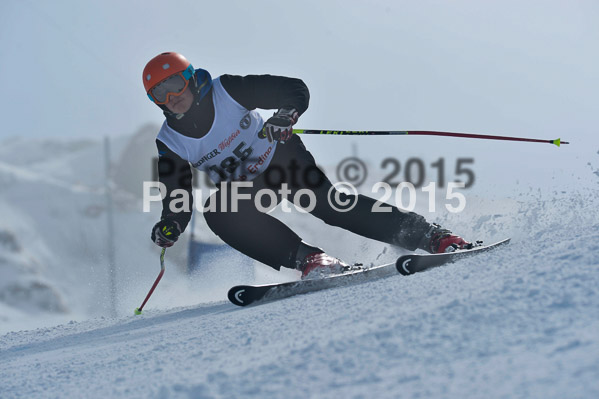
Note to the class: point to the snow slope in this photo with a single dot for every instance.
(522, 322)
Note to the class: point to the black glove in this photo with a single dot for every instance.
(279, 127)
(166, 232)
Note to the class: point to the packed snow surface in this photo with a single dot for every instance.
(519, 322)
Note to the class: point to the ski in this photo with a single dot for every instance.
(410, 264)
(244, 295)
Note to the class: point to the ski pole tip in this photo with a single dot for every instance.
(559, 142)
(137, 311)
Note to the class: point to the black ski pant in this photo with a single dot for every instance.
(268, 240)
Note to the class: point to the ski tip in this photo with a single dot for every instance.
(237, 295)
(402, 264)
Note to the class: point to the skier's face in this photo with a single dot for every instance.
(180, 104)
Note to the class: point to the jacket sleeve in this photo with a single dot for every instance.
(175, 173)
(267, 91)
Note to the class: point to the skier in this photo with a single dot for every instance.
(213, 126)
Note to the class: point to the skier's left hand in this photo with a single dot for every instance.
(279, 127)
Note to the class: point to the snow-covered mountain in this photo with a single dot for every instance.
(54, 262)
(520, 322)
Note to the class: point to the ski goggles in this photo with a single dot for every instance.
(174, 85)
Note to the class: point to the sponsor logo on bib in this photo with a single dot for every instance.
(245, 122)
(205, 158)
(254, 168)
(227, 142)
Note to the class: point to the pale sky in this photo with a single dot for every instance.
(518, 68)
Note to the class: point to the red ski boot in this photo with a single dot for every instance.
(442, 240)
(319, 264)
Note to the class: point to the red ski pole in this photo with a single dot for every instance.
(138, 310)
(556, 142)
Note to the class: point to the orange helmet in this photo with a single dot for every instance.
(164, 65)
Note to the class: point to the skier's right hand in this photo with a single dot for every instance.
(279, 127)
(166, 232)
